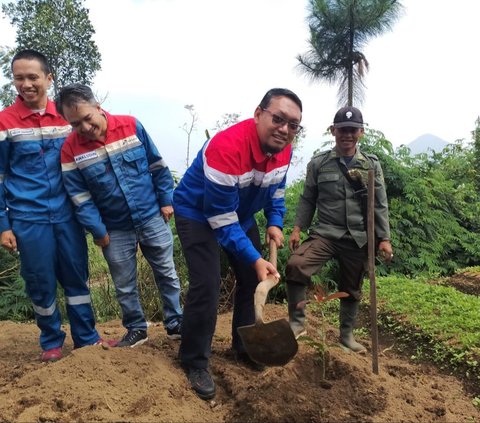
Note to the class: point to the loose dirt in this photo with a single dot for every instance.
(466, 282)
(146, 384)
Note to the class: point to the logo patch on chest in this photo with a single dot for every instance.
(18, 132)
(131, 140)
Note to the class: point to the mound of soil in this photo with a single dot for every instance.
(466, 282)
(146, 384)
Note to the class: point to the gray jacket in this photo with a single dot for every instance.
(330, 194)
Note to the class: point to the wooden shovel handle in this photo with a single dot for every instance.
(272, 255)
(371, 267)
(265, 286)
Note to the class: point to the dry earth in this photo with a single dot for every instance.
(146, 384)
(466, 282)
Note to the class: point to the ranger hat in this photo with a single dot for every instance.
(348, 117)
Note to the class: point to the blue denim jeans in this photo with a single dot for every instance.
(156, 242)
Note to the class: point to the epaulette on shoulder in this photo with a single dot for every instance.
(371, 156)
(318, 159)
(321, 153)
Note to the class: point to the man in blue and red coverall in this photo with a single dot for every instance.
(122, 192)
(36, 217)
(237, 173)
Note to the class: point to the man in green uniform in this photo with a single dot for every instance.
(340, 228)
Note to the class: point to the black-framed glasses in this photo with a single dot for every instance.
(280, 121)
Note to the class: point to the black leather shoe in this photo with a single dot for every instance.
(244, 358)
(202, 383)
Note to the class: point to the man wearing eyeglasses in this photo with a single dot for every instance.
(334, 185)
(237, 173)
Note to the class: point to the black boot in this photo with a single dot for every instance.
(296, 316)
(348, 315)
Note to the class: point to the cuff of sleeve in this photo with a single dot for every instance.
(99, 233)
(4, 225)
(252, 256)
(274, 221)
(164, 200)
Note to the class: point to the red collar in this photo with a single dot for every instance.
(26, 112)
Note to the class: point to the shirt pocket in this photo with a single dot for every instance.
(135, 161)
(328, 185)
(28, 157)
(98, 177)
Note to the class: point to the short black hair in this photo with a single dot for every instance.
(72, 94)
(280, 92)
(30, 54)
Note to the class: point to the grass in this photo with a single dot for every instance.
(440, 311)
(438, 323)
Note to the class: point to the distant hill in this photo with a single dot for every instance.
(427, 142)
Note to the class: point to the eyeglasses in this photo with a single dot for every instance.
(279, 121)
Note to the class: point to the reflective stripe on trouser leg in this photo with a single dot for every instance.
(73, 276)
(38, 256)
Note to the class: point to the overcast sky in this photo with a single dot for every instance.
(223, 55)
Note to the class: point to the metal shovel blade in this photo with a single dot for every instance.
(271, 344)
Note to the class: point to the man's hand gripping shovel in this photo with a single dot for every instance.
(272, 343)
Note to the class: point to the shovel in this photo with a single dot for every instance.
(272, 343)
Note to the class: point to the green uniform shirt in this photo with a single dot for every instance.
(339, 212)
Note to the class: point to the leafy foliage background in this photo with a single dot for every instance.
(62, 31)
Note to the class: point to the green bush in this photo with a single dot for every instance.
(9, 267)
(14, 302)
(434, 207)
